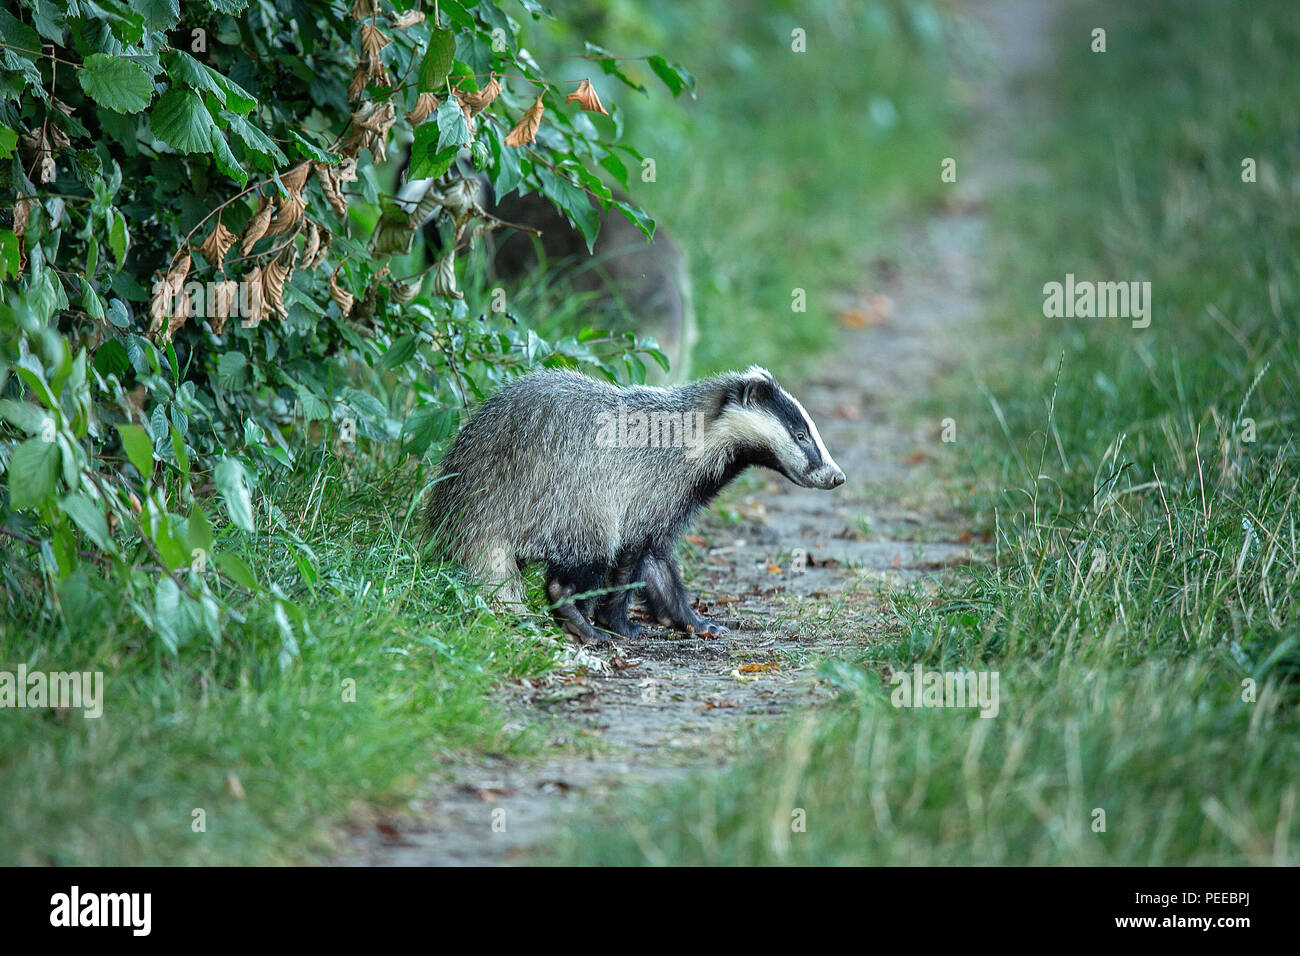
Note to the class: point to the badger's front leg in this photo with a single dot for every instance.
(562, 583)
(667, 598)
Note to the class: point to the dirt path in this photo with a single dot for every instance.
(671, 705)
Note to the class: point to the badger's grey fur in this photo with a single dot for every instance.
(600, 481)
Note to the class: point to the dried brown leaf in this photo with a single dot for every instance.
(586, 96)
(288, 214)
(478, 101)
(373, 39)
(311, 243)
(444, 278)
(296, 178)
(22, 209)
(342, 297)
(328, 176)
(365, 9)
(223, 297)
(275, 275)
(424, 106)
(408, 19)
(525, 130)
(256, 299)
(218, 243)
(319, 257)
(256, 227)
(360, 77)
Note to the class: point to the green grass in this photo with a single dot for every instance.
(123, 788)
(1140, 605)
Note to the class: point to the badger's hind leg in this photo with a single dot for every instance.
(667, 598)
(562, 583)
(611, 609)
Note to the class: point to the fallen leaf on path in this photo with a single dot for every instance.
(711, 705)
(915, 458)
(760, 668)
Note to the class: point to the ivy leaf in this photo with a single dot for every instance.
(438, 59)
(33, 473)
(180, 120)
(674, 77)
(116, 83)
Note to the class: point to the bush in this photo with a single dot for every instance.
(207, 270)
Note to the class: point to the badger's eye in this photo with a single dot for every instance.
(801, 437)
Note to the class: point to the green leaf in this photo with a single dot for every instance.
(253, 138)
(428, 424)
(571, 199)
(183, 68)
(309, 150)
(637, 216)
(232, 370)
(158, 15)
(139, 448)
(33, 473)
(8, 140)
(453, 129)
(30, 418)
(116, 83)
(89, 519)
(427, 161)
(437, 61)
(363, 404)
(400, 352)
(234, 568)
(176, 618)
(313, 408)
(674, 77)
(226, 161)
(229, 476)
(180, 120)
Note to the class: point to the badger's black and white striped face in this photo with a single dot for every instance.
(765, 417)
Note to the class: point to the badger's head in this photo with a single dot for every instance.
(764, 421)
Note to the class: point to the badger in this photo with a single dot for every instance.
(598, 482)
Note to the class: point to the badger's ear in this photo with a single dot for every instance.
(753, 391)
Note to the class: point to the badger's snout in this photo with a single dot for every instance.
(825, 477)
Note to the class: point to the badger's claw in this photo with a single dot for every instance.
(707, 628)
